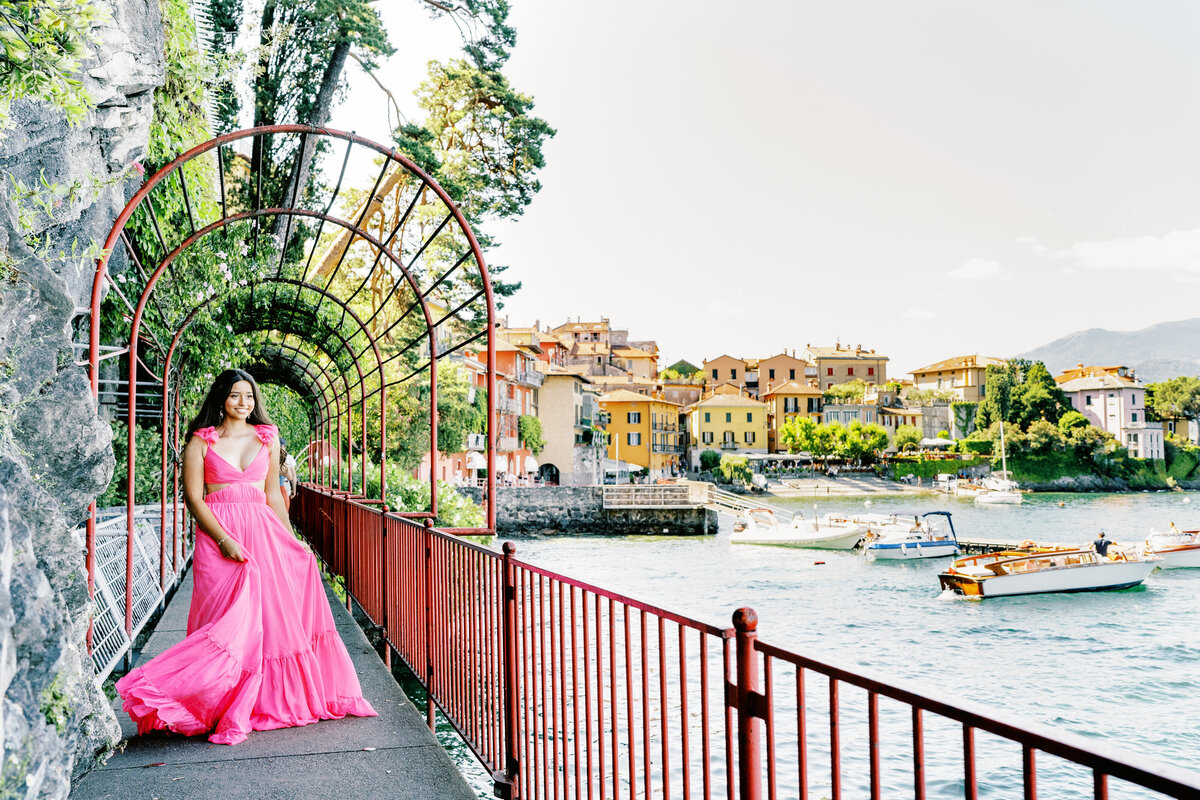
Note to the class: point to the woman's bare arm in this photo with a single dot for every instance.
(193, 495)
(274, 496)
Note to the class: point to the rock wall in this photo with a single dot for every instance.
(571, 509)
(54, 450)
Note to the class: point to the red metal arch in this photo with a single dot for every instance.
(328, 389)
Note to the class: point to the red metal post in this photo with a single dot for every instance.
(506, 781)
(428, 590)
(1029, 764)
(745, 622)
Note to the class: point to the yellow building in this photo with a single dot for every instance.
(727, 423)
(792, 399)
(842, 364)
(965, 375)
(644, 431)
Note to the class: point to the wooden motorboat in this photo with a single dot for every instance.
(1041, 570)
(906, 536)
(1175, 548)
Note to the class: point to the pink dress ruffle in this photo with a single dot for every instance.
(261, 650)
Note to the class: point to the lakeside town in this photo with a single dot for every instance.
(584, 403)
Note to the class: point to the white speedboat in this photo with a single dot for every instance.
(1042, 570)
(906, 536)
(1174, 547)
(761, 527)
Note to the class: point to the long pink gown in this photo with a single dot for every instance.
(261, 650)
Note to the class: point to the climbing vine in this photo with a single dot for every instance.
(44, 44)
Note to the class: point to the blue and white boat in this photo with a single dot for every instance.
(904, 536)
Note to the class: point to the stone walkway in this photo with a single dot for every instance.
(393, 755)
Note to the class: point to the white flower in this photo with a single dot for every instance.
(229, 328)
(120, 278)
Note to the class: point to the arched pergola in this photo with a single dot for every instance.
(398, 290)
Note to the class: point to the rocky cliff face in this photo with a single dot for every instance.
(54, 449)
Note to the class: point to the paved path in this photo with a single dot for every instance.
(393, 755)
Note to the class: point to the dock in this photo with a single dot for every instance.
(391, 755)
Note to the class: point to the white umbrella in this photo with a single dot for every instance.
(475, 460)
(938, 442)
(501, 463)
(531, 464)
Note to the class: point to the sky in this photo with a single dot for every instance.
(927, 179)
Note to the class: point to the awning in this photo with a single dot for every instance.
(501, 463)
(531, 464)
(475, 460)
(938, 442)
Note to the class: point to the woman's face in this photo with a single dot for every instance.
(240, 401)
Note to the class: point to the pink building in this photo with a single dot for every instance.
(1116, 403)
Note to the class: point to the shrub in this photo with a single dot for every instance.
(907, 435)
(736, 468)
(709, 460)
(981, 447)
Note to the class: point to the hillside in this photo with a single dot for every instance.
(1156, 353)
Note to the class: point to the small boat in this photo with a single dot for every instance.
(1040, 570)
(761, 527)
(999, 488)
(1174, 547)
(905, 536)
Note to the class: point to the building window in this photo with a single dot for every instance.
(771, 374)
(633, 438)
(707, 417)
(727, 437)
(729, 416)
(849, 370)
(749, 437)
(829, 370)
(791, 374)
(870, 370)
(733, 374)
(633, 417)
(749, 416)
(1087, 399)
(1133, 417)
(714, 374)
(707, 437)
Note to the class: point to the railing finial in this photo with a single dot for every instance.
(745, 619)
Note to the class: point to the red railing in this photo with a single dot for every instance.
(565, 690)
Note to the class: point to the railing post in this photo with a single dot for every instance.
(429, 710)
(347, 535)
(505, 780)
(383, 585)
(749, 706)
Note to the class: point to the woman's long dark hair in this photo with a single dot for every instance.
(212, 412)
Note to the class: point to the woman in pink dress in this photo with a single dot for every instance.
(261, 650)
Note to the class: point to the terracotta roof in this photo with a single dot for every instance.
(559, 372)
(631, 352)
(792, 387)
(844, 352)
(1103, 381)
(959, 362)
(724, 355)
(718, 400)
(1089, 372)
(626, 396)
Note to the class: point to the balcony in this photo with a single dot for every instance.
(508, 405)
(507, 444)
(531, 377)
(729, 445)
(668, 448)
(476, 441)
(669, 427)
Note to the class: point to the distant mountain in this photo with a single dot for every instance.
(1156, 353)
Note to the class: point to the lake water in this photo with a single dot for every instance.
(1121, 667)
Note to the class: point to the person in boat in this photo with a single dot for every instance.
(1101, 545)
